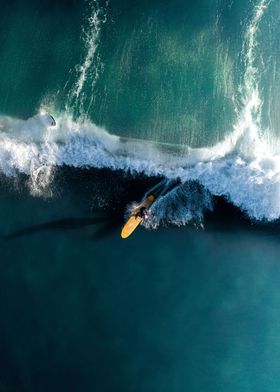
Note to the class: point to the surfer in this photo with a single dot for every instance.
(53, 122)
(141, 212)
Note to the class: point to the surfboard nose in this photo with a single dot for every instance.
(130, 226)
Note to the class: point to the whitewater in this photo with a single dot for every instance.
(242, 168)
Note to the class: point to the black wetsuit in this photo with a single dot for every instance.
(141, 213)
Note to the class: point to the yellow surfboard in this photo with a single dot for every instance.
(135, 220)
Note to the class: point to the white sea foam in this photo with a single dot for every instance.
(239, 168)
(91, 41)
(87, 73)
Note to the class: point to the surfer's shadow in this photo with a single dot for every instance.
(102, 227)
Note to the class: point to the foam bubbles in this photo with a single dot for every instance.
(234, 168)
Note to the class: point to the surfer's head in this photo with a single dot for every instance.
(142, 213)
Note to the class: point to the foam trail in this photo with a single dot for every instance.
(91, 40)
(88, 71)
(249, 118)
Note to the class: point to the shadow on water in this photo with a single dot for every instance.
(224, 217)
(97, 193)
(106, 230)
(104, 198)
(61, 224)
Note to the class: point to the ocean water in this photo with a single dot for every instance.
(141, 92)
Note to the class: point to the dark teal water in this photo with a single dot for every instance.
(172, 309)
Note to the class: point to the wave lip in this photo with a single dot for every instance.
(239, 168)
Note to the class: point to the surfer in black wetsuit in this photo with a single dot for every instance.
(53, 123)
(142, 213)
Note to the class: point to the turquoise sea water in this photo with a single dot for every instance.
(140, 91)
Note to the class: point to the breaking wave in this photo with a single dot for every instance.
(240, 168)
